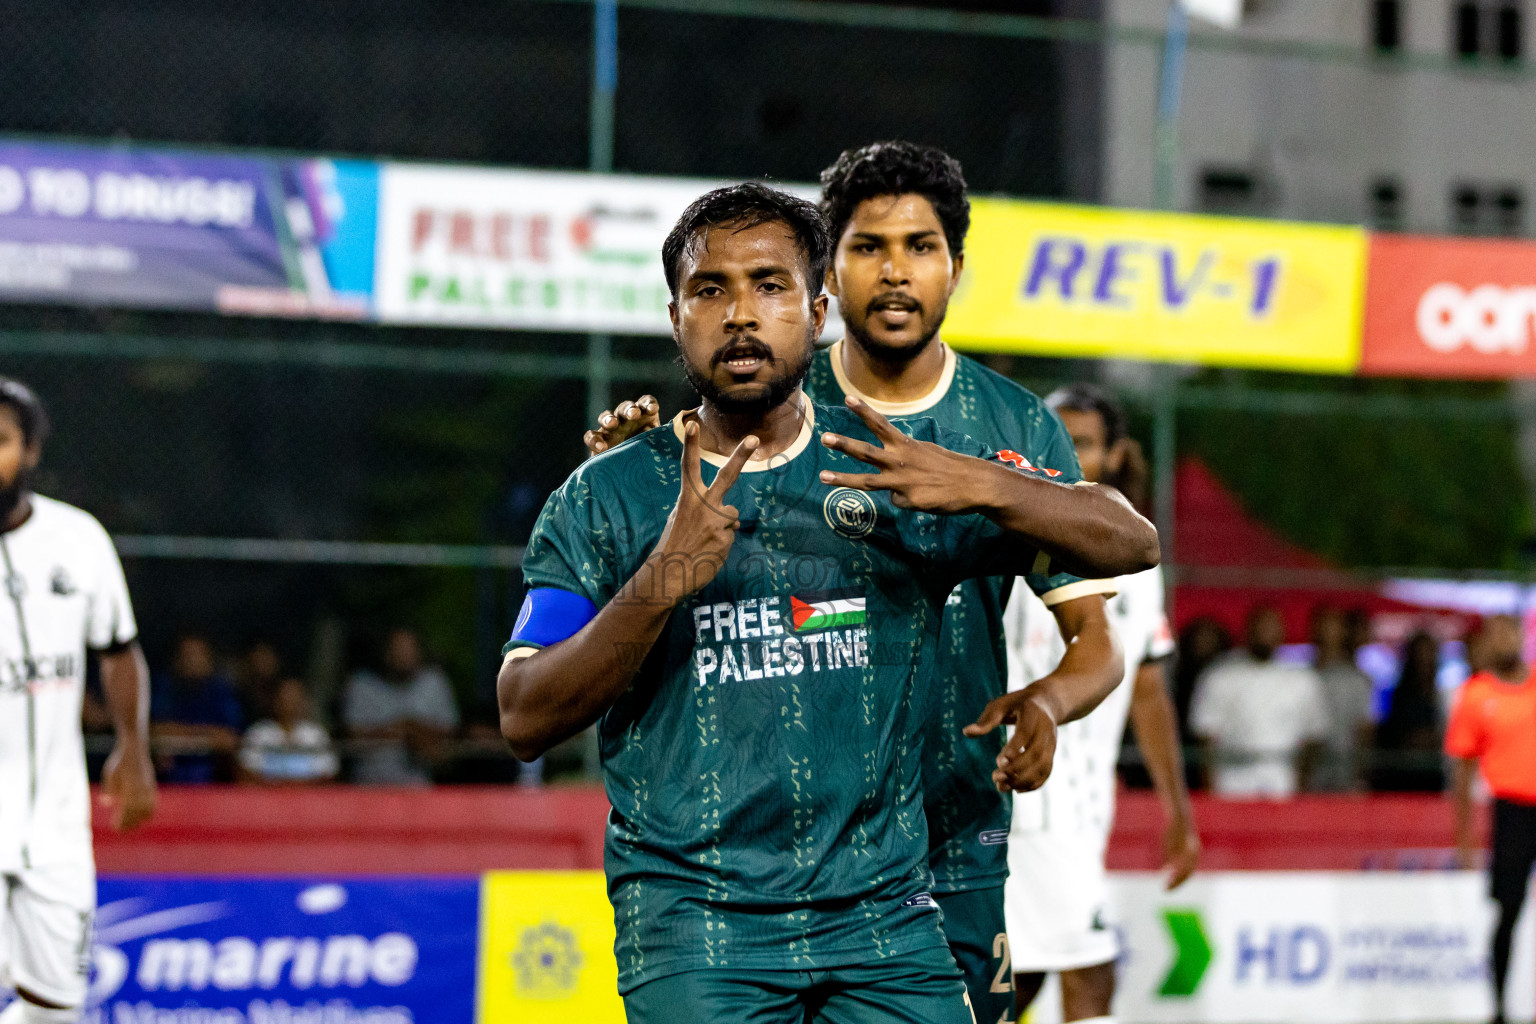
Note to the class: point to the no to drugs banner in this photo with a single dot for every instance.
(98, 225)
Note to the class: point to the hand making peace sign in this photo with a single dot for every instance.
(918, 474)
(701, 528)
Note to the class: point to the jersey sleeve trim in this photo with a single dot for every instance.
(515, 650)
(116, 646)
(1082, 588)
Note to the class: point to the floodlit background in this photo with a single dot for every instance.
(320, 409)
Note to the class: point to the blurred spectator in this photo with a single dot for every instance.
(1494, 728)
(482, 757)
(1202, 642)
(195, 718)
(405, 712)
(1408, 740)
(1350, 696)
(290, 747)
(258, 674)
(1261, 719)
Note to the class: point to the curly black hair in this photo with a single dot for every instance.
(897, 168)
(29, 410)
(746, 206)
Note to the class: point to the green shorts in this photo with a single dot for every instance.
(917, 988)
(978, 938)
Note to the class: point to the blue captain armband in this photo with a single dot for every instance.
(550, 615)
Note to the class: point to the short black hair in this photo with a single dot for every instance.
(893, 169)
(29, 410)
(746, 206)
(1092, 398)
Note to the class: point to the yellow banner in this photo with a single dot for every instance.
(546, 949)
(1057, 280)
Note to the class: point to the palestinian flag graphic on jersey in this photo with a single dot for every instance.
(826, 611)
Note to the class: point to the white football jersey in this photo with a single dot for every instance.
(63, 593)
(1080, 794)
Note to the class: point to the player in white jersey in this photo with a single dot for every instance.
(1056, 900)
(63, 594)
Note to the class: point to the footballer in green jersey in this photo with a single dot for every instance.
(899, 214)
(755, 633)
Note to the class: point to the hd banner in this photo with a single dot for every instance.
(1262, 947)
(112, 226)
(259, 951)
(1059, 280)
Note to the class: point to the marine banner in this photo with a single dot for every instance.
(268, 951)
(1057, 280)
(115, 226)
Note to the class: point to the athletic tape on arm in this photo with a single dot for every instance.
(550, 615)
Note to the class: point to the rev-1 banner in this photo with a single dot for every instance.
(113, 226)
(290, 951)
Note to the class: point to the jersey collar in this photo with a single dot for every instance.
(801, 442)
(917, 405)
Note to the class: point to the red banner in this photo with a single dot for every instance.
(1444, 307)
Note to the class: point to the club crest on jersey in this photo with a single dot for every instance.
(61, 584)
(1013, 458)
(849, 512)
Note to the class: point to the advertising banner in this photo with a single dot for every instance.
(546, 949)
(96, 225)
(526, 249)
(1447, 307)
(532, 250)
(1329, 947)
(1059, 280)
(258, 951)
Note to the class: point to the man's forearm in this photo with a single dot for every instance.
(1091, 668)
(551, 695)
(125, 685)
(1088, 530)
(1461, 790)
(1157, 735)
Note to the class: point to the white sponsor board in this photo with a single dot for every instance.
(527, 249)
(1324, 947)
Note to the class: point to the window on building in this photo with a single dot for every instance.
(1489, 31)
(1493, 210)
(1387, 26)
(1230, 190)
(1466, 210)
(1468, 35)
(1387, 205)
(1508, 213)
(1511, 45)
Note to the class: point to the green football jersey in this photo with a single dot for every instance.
(967, 817)
(764, 764)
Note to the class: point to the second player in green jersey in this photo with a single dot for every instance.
(758, 667)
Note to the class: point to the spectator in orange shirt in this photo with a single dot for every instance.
(1494, 727)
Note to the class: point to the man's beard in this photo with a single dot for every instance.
(885, 351)
(12, 496)
(779, 387)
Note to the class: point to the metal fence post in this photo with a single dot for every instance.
(605, 85)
